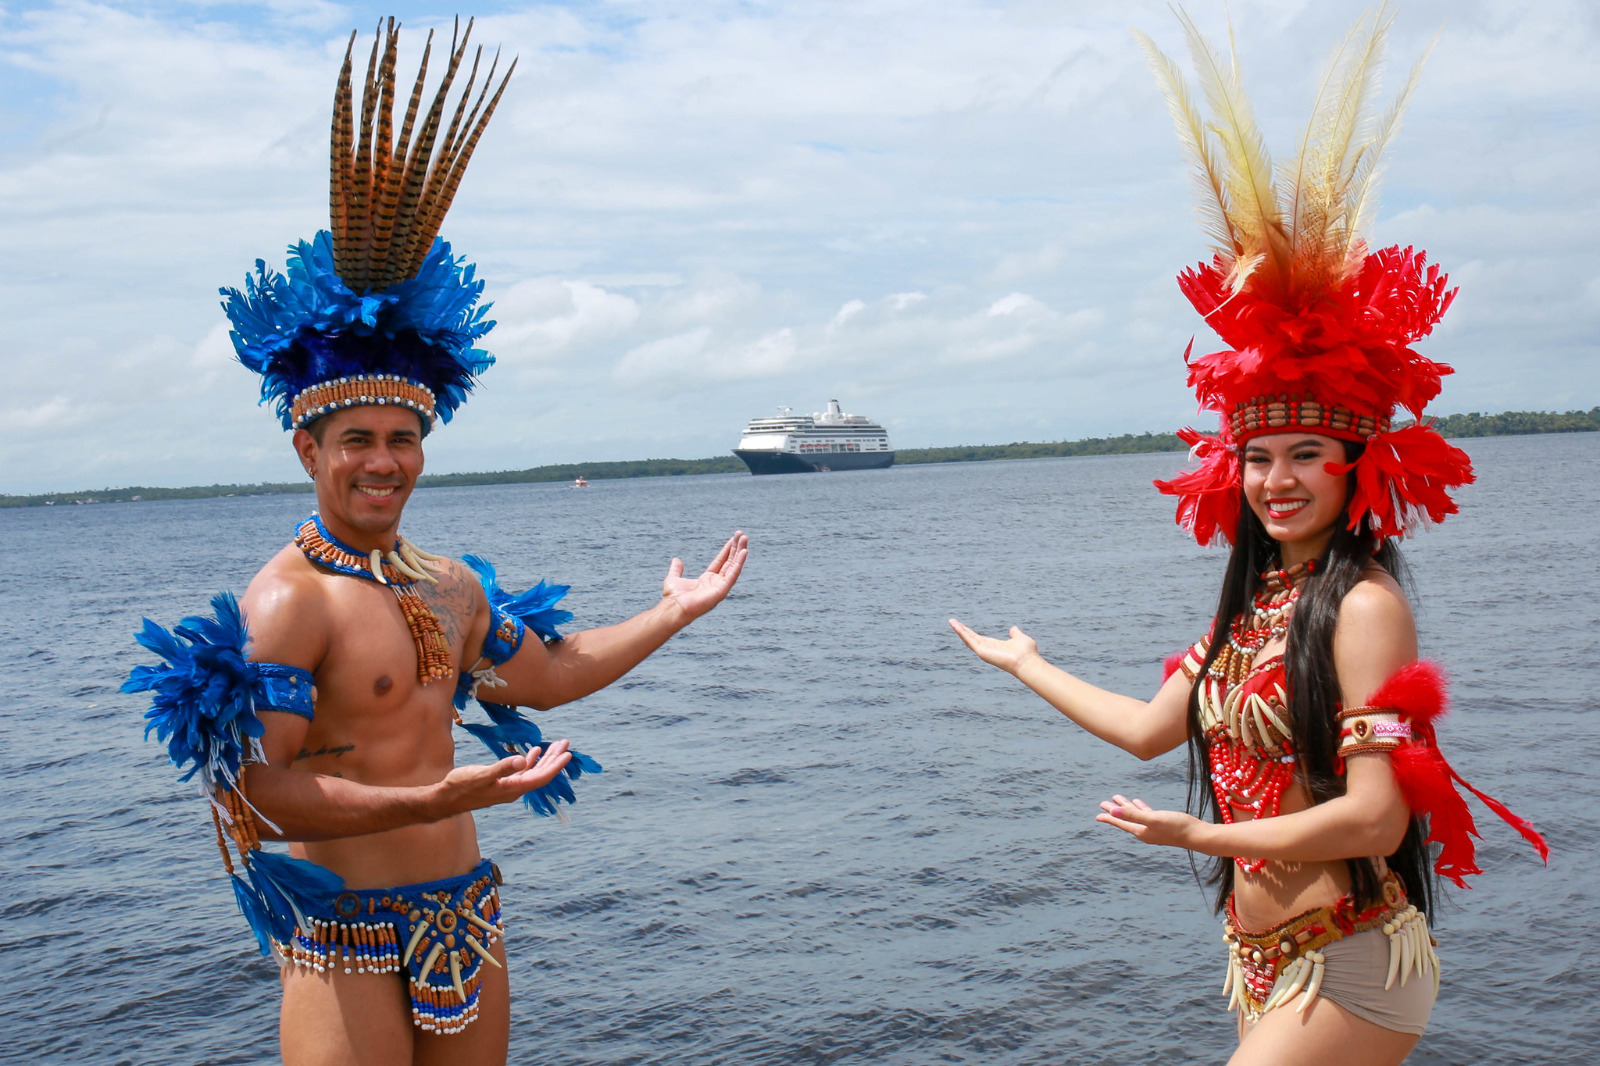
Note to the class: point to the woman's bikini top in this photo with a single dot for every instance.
(1242, 704)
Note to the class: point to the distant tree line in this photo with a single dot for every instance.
(1473, 424)
(1127, 444)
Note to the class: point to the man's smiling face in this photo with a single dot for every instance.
(365, 461)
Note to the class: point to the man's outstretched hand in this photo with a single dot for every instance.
(694, 597)
(470, 788)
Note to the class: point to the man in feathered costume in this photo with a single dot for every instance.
(327, 721)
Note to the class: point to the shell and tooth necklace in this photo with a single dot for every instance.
(399, 569)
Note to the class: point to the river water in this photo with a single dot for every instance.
(825, 832)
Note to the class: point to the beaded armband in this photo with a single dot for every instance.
(1371, 729)
(505, 636)
(284, 688)
(1194, 658)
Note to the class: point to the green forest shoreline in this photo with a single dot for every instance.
(1511, 423)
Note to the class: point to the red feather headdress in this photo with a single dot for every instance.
(1320, 330)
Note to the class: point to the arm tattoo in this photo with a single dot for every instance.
(336, 751)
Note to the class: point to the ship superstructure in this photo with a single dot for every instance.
(800, 444)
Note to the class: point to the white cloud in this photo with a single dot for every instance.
(967, 215)
(1014, 303)
(668, 358)
(542, 319)
(851, 309)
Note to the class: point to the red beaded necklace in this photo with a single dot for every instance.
(1251, 757)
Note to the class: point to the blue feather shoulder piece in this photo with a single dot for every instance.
(205, 695)
(307, 327)
(536, 608)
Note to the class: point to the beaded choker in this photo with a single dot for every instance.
(400, 569)
(1269, 616)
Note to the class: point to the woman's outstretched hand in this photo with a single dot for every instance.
(1008, 655)
(1173, 829)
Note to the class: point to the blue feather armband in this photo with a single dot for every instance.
(205, 696)
(513, 615)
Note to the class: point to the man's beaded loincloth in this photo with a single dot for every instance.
(441, 930)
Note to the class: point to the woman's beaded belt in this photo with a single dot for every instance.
(1267, 970)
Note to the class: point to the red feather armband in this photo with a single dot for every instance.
(1416, 696)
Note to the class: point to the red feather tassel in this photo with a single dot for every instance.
(1418, 691)
(1208, 497)
(1403, 476)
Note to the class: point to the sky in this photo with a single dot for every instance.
(961, 219)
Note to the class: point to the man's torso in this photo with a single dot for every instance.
(376, 723)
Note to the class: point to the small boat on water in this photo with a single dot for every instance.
(803, 444)
(580, 483)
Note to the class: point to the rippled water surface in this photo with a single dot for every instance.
(825, 833)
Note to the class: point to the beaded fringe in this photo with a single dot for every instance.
(451, 941)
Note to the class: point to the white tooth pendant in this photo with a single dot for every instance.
(1302, 974)
(1392, 931)
(1285, 985)
(1408, 951)
(400, 564)
(1317, 960)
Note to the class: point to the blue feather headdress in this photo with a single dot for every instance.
(375, 309)
(308, 329)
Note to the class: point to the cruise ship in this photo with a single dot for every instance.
(800, 444)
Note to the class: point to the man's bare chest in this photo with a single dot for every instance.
(373, 654)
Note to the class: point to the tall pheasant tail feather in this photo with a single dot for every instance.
(416, 166)
(388, 194)
(459, 167)
(358, 190)
(389, 204)
(426, 226)
(340, 168)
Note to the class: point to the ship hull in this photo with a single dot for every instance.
(761, 462)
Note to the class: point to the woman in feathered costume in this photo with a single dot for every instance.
(1308, 717)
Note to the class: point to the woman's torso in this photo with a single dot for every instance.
(1254, 767)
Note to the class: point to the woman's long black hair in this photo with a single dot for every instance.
(1312, 684)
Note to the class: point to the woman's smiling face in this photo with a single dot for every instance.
(1287, 485)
